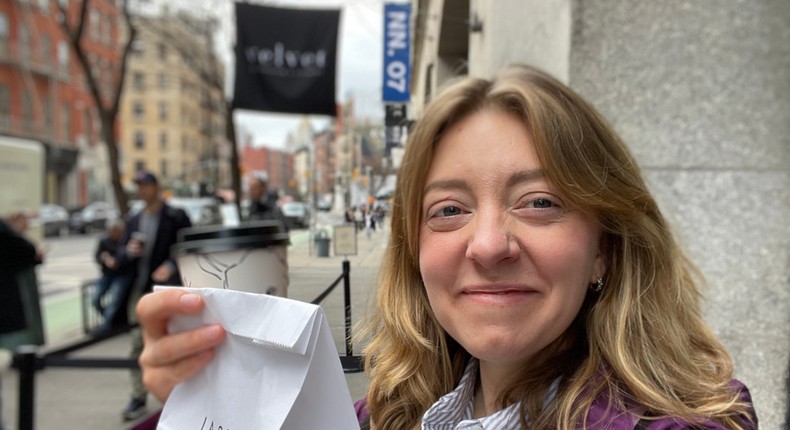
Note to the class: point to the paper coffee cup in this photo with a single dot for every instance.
(251, 258)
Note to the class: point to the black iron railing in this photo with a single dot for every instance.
(29, 359)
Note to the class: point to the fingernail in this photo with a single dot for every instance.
(190, 300)
(212, 332)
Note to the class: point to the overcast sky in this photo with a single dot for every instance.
(359, 67)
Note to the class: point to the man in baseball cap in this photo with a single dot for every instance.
(143, 177)
(145, 249)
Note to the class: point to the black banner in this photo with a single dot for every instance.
(394, 115)
(285, 59)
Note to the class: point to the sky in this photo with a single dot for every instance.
(359, 66)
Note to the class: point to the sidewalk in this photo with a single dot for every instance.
(92, 399)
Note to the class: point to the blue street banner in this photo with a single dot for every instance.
(286, 59)
(396, 53)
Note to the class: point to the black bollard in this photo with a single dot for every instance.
(347, 300)
(25, 361)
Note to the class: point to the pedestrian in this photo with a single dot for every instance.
(263, 204)
(112, 287)
(530, 282)
(17, 255)
(144, 251)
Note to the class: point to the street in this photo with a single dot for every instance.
(68, 263)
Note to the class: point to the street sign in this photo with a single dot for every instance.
(345, 239)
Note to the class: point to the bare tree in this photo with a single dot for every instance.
(107, 105)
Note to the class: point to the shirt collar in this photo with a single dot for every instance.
(453, 411)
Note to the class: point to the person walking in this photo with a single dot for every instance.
(17, 254)
(263, 204)
(144, 250)
(113, 282)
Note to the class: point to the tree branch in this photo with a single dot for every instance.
(116, 102)
(83, 13)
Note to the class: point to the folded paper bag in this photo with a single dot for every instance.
(278, 368)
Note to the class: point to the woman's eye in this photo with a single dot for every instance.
(449, 211)
(541, 203)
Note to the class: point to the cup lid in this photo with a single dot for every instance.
(217, 238)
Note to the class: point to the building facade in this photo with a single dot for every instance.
(173, 111)
(700, 92)
(44, 95)
(278, 165)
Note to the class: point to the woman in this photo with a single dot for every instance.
(530, 281)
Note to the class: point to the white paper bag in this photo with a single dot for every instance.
(278, 368)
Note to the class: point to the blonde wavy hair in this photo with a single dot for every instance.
(641, 341)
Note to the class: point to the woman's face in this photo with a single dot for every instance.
(506, 265)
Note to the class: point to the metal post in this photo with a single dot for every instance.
(347, 300)
(25, 362)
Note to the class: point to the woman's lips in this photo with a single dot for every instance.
(498, 295)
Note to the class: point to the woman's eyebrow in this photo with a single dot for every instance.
(525, 176)
(449, 184)
(462, 185)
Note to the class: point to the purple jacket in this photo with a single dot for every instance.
(602, 417)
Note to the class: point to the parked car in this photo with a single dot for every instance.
(54, 219)
(324, 205)
(201, 211)
(95, 216)
(297, 214)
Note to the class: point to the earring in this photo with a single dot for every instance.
(597, 286)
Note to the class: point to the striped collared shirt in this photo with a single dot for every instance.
(453, 411)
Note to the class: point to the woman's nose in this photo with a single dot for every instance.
(492, 242)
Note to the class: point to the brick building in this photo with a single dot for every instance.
(44, 95)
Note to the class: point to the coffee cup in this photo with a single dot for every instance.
(252, 257)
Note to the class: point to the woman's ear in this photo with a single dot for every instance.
(601, 263)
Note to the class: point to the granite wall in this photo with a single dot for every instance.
(700, 91)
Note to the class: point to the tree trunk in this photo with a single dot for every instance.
(110, 141)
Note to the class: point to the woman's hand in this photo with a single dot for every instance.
(168, 359)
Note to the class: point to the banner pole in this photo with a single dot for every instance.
(235, 168)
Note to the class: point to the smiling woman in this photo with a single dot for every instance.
(531, 280)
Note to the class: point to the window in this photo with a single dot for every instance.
(65, 122)
(87, 125)
(163, 168)
(139, 140)
(4, 31)
(27, 112)
(138, 81)
(137, 48)
(106, 31)
(162, 79)
(162, 111)
(5, 107)
(63, 56)
(47, 107)
(94, 20)
(162, 52)
(139, 165)
(45, 49)
(184, 143)
(139, 111)
(24, 41)
(163, 140)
